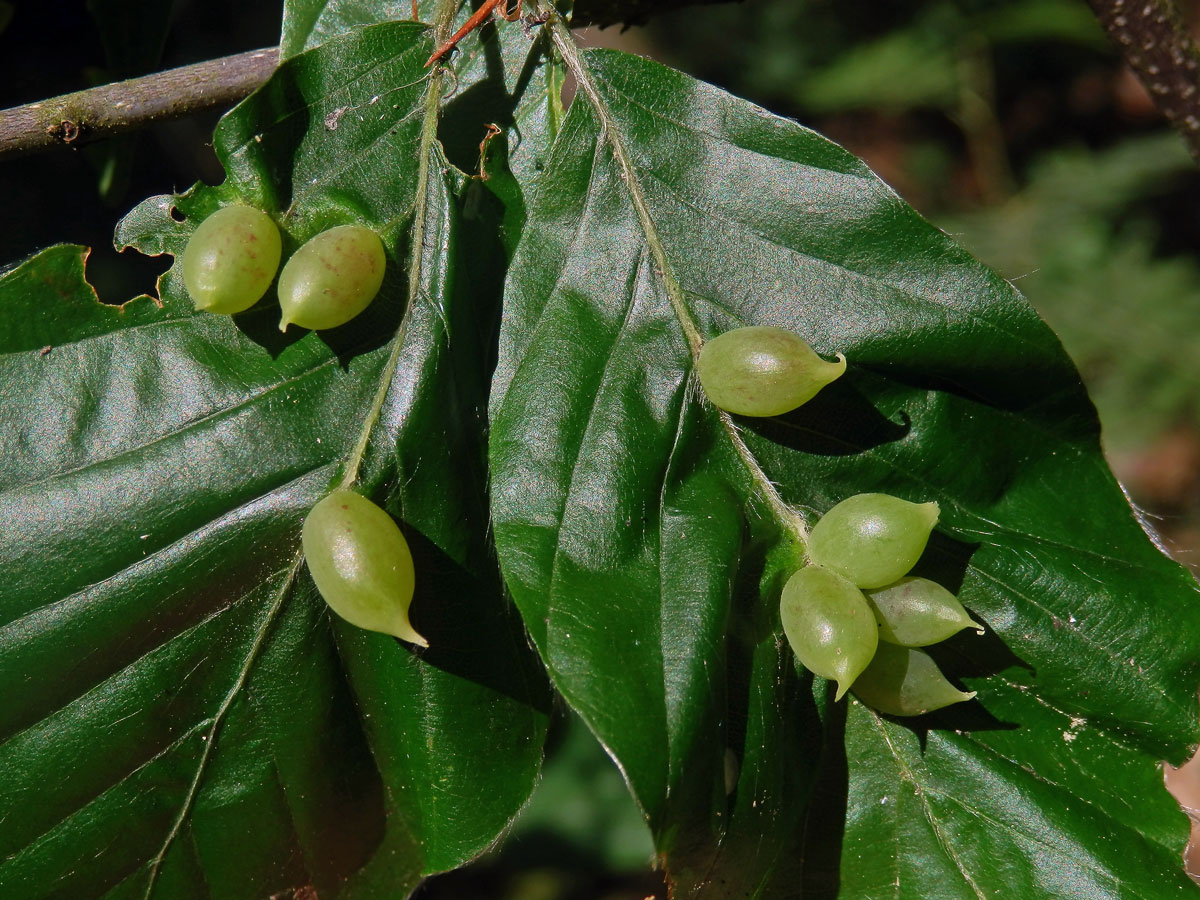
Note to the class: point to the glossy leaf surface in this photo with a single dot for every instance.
(185, 719)
(641, 534)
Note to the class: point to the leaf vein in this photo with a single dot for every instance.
(252, 656)
(908, 775)
(214, 416)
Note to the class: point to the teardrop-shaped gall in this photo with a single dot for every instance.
(829, 625)
(231, 259)
(916, 612)
(361, 564)
(872, 539)
(763, 371)
(901, 681)
(331, 278)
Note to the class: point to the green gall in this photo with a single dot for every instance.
(231, 259)
(872, 539)
(332, 278)
(901, 681)
(829, 625)
(361, 564)
(916, 612)
(763, 371)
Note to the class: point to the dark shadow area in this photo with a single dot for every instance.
(824, 827)
(839, 421)
(463, 118)
(961, 717)
(260, 323)
(969, 654)
(945, 561)
(965, 655)
(555, 879)
(110, 273)
(72, 195)
(1047, 392)
(487, 101)
(463, 121)
(474, 631)
(481, 259)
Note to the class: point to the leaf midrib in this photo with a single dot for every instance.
(445, 15)
(788, 519)
(215, 415)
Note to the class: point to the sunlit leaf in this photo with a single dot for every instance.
(185, 718)
(645, 536)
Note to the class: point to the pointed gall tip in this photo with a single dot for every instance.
(406, 632)
(828, 372)
(843, 686)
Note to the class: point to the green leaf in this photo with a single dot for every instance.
(309, 23)
(1080, 239)
(185, 718)
(503, 75)
(645, 536)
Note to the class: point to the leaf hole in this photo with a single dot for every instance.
(1183, 783)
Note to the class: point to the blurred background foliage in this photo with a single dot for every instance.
(1012, 125)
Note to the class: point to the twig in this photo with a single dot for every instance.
(128, 105)
(1160, 50)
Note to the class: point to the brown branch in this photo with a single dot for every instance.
(1158, 47)
(101, 112)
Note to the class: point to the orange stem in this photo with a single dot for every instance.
(480, 16)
